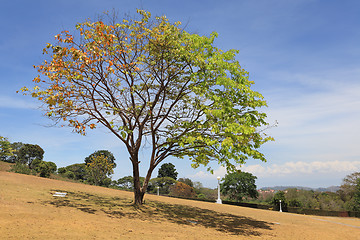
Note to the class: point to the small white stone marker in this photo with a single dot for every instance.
(59, 194)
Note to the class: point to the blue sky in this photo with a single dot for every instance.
(304, 56)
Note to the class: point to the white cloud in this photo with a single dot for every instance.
(203, 175)
(290, 169)
(299, 173)
(18, 103)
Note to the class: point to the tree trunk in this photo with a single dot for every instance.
(138, 193)
(139, 197)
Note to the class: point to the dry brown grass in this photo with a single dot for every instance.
(29, 211)
(4, 166)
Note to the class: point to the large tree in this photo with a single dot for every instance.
(99, 168)
(167, 170)
(349, 190)
(30, 152)
(107, 154)
(149, 81)
(239, 185)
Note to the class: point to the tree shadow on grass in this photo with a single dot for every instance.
(186, 215)
(159, 212)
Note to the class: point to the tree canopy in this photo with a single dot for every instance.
(109, 156)
(30, 152)
(6, 150)
(75, 171)
(167, 170)
(350, 191)
(147, 80)
(99, 168)
(239, 185)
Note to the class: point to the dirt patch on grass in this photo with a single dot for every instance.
(29, 211)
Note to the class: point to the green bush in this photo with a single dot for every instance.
(61, 170)
(46, 168)
(35, 164)
(201, 196)
(75, 171)
(23, 169)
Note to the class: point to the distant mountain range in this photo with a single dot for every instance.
(282, 188)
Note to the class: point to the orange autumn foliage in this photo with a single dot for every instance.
(181, 189)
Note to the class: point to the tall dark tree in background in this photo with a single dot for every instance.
(167, 170)
(148, 81)
(30, 152)
(16, 146)
(239, 185)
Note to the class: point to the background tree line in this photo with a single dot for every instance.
(27, 158)
(168, 184)
(347, 198)
(98, 167)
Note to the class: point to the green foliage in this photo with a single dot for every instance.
(6, 150)
(35, 164)
(110, 157)
(30, 152)
(201, 196)
(16, 146)
(294, 203)
(167, 170)
(75, 171)
(23, 169)
(164, 184)
(357, 196)
(348, 191)
(280, 195)
(348, 188)
(99, 168)
(181, 189)
(45, 168)
(37, 167)
(239, 185)
(127, 182)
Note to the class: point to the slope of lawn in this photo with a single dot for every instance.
(28, 210)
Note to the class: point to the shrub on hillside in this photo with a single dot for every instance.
(46, 168)
(75, 171)
(181, 189)
(23, 169)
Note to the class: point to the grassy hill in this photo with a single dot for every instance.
(4, 166)
(28, 210)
